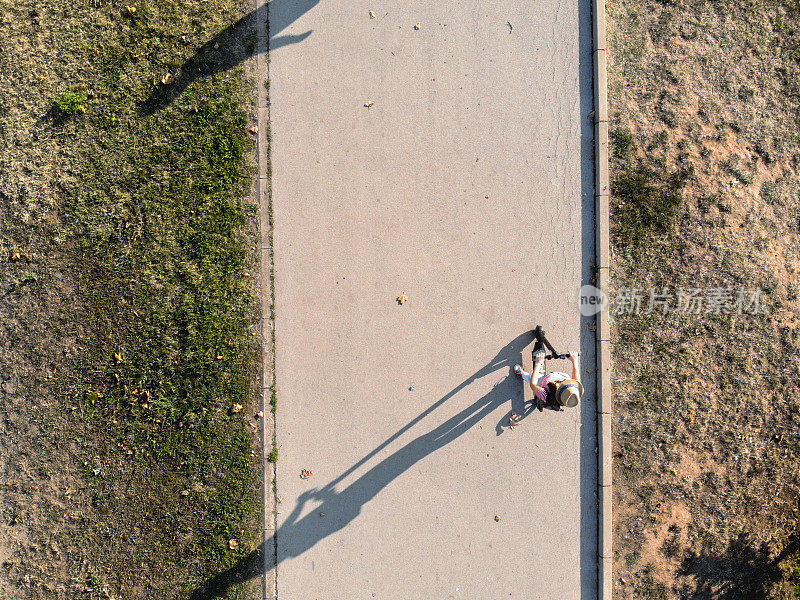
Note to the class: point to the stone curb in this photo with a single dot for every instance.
(262, 194)
(603, 333)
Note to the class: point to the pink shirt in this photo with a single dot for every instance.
(555, 377)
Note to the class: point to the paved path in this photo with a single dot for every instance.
(467, 186)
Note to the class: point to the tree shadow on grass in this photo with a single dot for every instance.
(298, 534)
(743, 572)
(233, 45)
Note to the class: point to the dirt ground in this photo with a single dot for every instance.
(128, 455)
(704, 100)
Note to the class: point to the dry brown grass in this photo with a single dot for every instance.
(704, 100)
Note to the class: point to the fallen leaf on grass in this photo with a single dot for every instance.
(260, 414)
(233, 544)
(305, 474)
(118, 357)
(167, 79)
(236, 408)
(254, 129)
(16, 256)
(130, 10)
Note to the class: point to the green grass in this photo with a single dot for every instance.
(164, 266)
(71, 103)
(273, 455)
(645, 194)
(156, 233)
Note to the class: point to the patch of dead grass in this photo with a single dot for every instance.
(706, 425)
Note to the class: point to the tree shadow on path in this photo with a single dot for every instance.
(298, 534)
(230, 47)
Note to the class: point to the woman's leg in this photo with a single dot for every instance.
(523, 373)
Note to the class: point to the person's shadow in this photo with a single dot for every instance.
(298, 534)
(233, 45)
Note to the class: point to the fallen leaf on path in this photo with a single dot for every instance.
(254, 129)
(418, 26)
(305, 474)
(260, 414)
(402, 299)
(280, 499)
(496, 518)
(372, 14)
(368, 103)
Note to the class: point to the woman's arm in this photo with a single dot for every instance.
(538, 363)
(574, 358)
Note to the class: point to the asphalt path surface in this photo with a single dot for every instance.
(441, 151)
